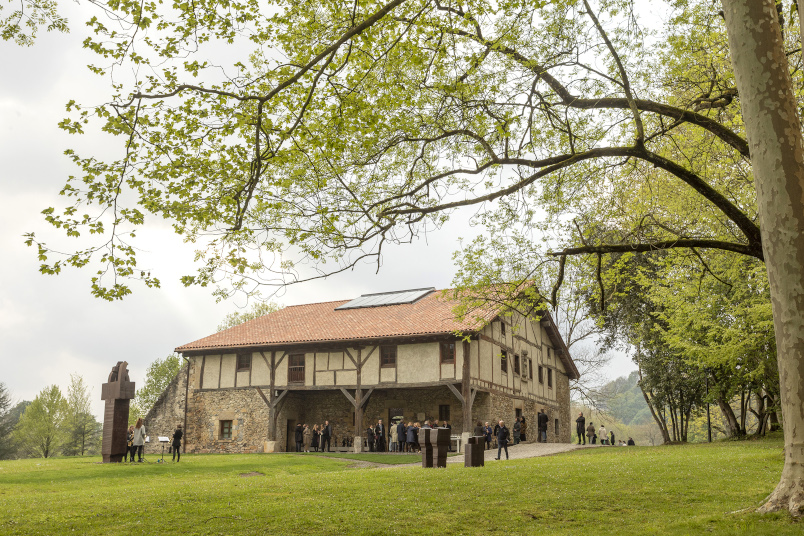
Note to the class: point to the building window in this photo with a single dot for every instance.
(443, 413)
(556, 426)
(530, 368)
(525, 368)
(504, 361)
(296, 368)
(541, 374)
(243, 362)
(516, 364)
(550, 378)
(502, 329)
(448, 352)
(388, 356)
(226, 430)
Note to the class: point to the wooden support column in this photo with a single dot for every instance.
(272, 400)
(466, 392)
(359, 395)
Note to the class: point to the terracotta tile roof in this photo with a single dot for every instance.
(320, 322)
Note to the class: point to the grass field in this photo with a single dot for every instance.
(692, 489)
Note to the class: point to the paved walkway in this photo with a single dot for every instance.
(528, 450)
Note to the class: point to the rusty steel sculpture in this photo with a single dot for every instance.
(117, 393)
(474, 452)
(434, 443)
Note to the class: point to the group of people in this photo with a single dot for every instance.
(318, 438)
(593, 436)
(135, 442)
(405, 437)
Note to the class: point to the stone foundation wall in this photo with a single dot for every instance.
(250, 414)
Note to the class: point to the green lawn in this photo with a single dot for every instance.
(690, 489)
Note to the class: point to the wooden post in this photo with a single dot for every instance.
(271, 397)
(466, 391)
(359, 395)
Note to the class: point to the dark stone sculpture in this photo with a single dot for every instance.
(434, 443)
(117, 393)
(474, 452)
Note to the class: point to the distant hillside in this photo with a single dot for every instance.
(623, 400)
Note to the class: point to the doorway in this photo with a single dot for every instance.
(290, 436)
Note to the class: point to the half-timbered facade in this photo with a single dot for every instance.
(391, 356)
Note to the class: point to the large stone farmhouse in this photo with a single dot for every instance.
(385, 356)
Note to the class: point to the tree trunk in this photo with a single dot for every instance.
(777, 157)
(731, 419)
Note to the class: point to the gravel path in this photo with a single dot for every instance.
(528, 450)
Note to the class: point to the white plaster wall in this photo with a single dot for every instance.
(388, 374)
(325, 377)
(228, 364)
(370, 374)
(260, 371)
(243, 378)
(212, 368)
(417, 362)
(346, 377)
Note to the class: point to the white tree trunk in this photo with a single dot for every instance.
(775, 139)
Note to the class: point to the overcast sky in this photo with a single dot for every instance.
(51, 326)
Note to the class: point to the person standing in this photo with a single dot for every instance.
(370, 438)
(590, 432)
(580, 428)
(517, 429)
(479, 431)
(138, 441)
(130, 444)
(379, 433)
(308, 438)
(611, 440)
(602, 434)
(315, 438)
(401, 436)
(542, 422)
(502, 440)
(298, 437)
(176, 443)
(524, 427)
(326, 436)
(410, 437)
(488, 431)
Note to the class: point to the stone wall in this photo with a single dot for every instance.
(167, 413)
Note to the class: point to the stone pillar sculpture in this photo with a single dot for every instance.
(117, 393)
(434, 443)
(474, 452)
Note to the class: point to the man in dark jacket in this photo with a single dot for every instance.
(299, 437)
(401, 435)
(502, 440)
(379, 434)
(326, 436)
(580, 428)
(542, 425)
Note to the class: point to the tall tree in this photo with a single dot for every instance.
(368, 123)
(39, 432)
(6, 423)
(82, 429)
(157, 377)
(257, 310)
(772, 122)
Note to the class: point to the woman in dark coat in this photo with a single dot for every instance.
(176, 444)
(478, 431)
(524, 428)
(316, 435)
